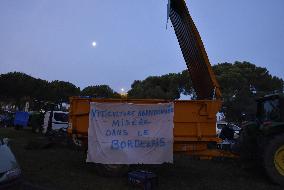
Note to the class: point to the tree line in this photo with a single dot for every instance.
(16, 88)
(241, 83)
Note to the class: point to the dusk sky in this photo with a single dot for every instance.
(52, 39)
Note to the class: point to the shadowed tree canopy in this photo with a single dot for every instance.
(241, 83)
(18, 87)
(100, 91)
(61, 91)
(15, 86)
(168, 86)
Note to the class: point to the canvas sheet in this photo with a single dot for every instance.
(125, 133)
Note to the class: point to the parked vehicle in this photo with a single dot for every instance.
(234, 128)
(262, 140)
(10, 172)
(56, 120)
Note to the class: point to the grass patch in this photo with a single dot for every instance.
(62, 167)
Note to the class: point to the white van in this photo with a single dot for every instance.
(59, 120)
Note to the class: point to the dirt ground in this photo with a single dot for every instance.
(63, 167)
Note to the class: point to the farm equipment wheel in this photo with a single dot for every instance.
(112, 170)
(273, 159)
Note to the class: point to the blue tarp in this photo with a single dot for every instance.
(21, 118)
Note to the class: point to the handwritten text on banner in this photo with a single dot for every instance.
(124, 133)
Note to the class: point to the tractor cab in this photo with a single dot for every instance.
(270, 108)
(264, 139)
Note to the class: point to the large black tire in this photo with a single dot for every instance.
(112, 170)
(273, 159)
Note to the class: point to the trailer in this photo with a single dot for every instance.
(194, 120)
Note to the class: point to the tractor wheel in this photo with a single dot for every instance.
(112, 170)
(273, 159)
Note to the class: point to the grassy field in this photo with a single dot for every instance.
(61, 167)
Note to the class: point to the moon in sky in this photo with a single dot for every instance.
(94, 44)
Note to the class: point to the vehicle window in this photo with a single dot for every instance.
(271, 110)
(63, 117)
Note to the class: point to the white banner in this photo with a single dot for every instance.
(125, 133)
